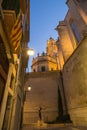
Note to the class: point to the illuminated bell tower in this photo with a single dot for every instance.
(52, 48)
(47, 61)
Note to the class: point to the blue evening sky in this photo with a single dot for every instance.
(44, 17)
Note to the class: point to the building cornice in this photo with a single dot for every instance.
(67, 1)
(43, 61)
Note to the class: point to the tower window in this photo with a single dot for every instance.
(43, 68)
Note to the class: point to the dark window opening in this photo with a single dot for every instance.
(2, 87)
(51, 69)
(34, 70)
(43, 68)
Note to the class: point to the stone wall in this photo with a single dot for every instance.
(44, 94)
(75, 84)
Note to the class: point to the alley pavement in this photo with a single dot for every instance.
(53, 127)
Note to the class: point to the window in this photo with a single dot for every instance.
(34, 70)
(51, 69)
(75, 31)
(2, 87)
(43, 68)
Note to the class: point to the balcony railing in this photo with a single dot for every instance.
(11, 5)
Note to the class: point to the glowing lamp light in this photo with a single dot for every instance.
(30, 52)
(29, 88)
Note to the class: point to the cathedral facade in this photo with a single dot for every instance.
(73, 41)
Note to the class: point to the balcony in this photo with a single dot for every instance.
(11, 5)
(9, 20)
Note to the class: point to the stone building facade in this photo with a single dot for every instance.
(74, 78)
(46, 87)
(74, 49)
(43, 94)
(11, 65)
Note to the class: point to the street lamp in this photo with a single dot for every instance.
(30, 52)
(29, 88)
(26, 90)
